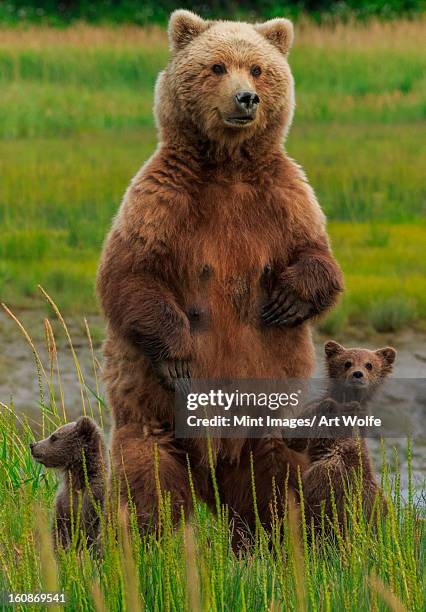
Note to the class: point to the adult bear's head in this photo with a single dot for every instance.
(226, 81)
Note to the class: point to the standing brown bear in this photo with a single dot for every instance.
(216, 261)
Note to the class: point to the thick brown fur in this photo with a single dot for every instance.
(355, 374)
(78, 450)
(273, 486)
(218, 256)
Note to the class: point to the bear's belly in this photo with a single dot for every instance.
(233, 349)
(224, 306)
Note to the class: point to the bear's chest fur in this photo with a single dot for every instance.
(235, 242)
(237, 227)
(220, 241)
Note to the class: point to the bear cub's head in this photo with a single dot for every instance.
(226, 80)
(64, 447)
(358, 370)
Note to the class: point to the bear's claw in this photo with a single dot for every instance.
(173, 373)
(286, 310)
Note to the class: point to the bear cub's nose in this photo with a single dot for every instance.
(247, 100)
(357, 374)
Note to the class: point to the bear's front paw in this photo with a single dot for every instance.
(173, 374)
(329, 407)
(286, 309)
(354, 409)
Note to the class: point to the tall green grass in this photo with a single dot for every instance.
(376, 565)
(76, 123)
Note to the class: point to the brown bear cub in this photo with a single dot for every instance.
(354, 374)
(78, 450)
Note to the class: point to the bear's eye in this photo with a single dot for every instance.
(348, 365)
(53, 438)
(256, 71)
(369, 366)
(219, 68)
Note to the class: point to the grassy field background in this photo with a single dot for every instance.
(76, 124)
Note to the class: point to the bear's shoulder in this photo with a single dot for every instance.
(154, 205)
(297, 196)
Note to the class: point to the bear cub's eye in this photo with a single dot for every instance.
(369, 366)
(219, 68)
(256, 71)
(348, 365)
(53, 438)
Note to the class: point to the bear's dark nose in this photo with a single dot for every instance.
(357, 374)
(32, 445)
(247, 100)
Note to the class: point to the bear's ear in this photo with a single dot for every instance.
(85, 426)
(388, 355)
(332, 348)
(279, 32)
(184, 26)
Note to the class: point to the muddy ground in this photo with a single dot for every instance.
(19, 382)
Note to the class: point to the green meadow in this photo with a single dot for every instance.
(76, 123)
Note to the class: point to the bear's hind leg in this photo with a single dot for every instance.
(275, 484)
(143, 463)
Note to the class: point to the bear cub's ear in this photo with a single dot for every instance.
(388, 355)
(85, 426)
(332, 348)
(279, 32)
(184, 26)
